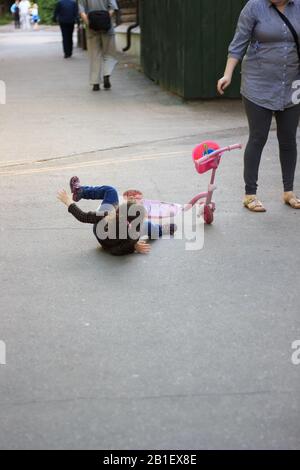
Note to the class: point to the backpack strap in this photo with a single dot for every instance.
(291, 28)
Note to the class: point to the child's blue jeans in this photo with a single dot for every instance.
(110, 197)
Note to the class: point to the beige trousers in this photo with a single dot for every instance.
(102, 55)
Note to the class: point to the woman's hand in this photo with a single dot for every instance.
(64, 197)
(224, 83)
(142, 247)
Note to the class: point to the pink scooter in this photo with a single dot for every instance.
(207, 157)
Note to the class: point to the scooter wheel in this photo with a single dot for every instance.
(208, 215)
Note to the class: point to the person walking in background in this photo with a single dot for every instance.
(16, 13)
(267, 40)
(97, 15)
(66, 14)
(24, 7)
(34, 12)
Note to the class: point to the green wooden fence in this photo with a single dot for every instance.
(185, 44)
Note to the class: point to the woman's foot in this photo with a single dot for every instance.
(75, 188)
(253, 204)
(96, 87)
(291, 199)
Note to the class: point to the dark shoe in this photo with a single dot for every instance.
(96, 87)
(75, 188)
(169, 229)
(68, 56)
(107, 84)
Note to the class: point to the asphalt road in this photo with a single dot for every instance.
(175, 350)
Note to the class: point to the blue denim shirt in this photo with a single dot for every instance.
(268, 50)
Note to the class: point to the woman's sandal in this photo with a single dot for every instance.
(253, 204)
(291, 200)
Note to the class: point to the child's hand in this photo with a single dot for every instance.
(142, 247)
(64, 197)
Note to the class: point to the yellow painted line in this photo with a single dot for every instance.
(40, 162)
(63, 158)
(18, 162)
(93, 163)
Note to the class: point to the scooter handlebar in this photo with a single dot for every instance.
(234, 147)
(219, 152)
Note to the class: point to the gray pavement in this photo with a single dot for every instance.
(171, 351)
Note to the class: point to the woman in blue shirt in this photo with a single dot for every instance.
(270, 68)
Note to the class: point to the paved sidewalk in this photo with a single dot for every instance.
(172, 351)
(54, 97)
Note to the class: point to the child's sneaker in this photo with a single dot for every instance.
(169, 229)
(75, 188)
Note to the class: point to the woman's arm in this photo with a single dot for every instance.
(226, 80)
(239, 44)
